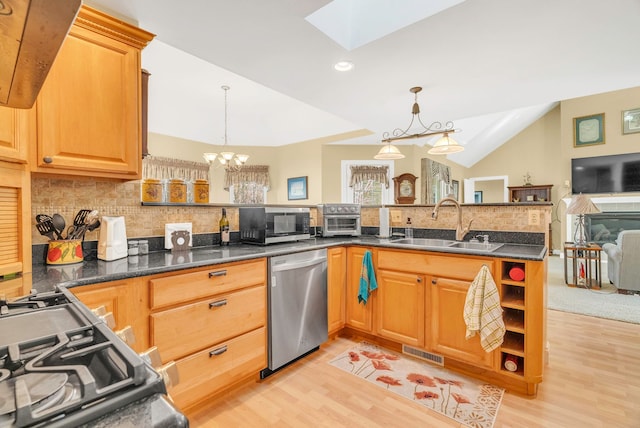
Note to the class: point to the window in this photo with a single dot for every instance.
(247, 184)
(367, 182)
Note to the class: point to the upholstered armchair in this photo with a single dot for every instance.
(623, 260)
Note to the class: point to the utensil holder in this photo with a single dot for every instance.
(64, 252)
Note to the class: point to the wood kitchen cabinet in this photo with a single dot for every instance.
(15, 224)
(425, 295)
(212, 322)
(400, 308)
(16, 130)
(88, 113)
(358, 315)
(419, 288)
(336, 282)
(127, 300)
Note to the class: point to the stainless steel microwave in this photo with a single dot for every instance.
(270, 225)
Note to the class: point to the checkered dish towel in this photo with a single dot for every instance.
(482, 311)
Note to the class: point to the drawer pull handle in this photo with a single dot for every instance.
(217, 304)
(47, 159)
(218, 273)
(221, 350)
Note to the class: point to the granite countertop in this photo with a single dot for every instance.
(47, 277)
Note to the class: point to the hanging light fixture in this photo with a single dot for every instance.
(444, 145)
(389, 152)
(225, 157)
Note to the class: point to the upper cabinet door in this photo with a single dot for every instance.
(14, 134)
(89, 109)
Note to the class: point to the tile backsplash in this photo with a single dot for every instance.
(67, 195)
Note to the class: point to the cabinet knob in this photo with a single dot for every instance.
(152, 357)
(126, 335)
(434, 281)
(47, 159)
(100, 311)
(418, 280)
(169, 373)
(109, 320)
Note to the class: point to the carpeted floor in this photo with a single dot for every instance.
(604, 303)
(468, 401)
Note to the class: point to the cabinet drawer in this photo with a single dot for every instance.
(459, 266)
(206, 373)
(186, 287)
(181, 331)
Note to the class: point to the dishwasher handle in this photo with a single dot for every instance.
(297, 265)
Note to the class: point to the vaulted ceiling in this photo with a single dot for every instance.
(490, 66)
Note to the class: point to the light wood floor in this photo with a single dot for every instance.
(592, 380)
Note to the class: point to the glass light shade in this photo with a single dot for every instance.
(389, 152)
(241, 159)
(445, 145)
(227, 155)
(210, 157)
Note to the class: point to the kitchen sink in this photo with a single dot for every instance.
(425, 242)
(477, 246)
(445, 243)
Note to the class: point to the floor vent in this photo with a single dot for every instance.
(423, 355)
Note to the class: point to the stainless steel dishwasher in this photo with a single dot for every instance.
(297, 306)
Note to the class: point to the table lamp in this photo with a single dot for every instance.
(581, 205)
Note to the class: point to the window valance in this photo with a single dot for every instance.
(365, 173)
(161, 168)
(258, 174)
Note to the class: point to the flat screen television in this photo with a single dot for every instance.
(606, 174)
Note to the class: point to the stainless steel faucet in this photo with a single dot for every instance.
(460, 231)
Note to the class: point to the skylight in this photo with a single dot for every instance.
(354, 23)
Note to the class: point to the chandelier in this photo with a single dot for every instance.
(225, 157)
(443, 146)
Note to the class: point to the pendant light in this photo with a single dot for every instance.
(226, 157)
(444, 145)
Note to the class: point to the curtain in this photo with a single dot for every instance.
(242, 174)
(161, 168)
(437, 176)
(364, 173)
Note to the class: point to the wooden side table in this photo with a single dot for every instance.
(584, 264)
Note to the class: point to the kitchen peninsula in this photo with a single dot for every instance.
(161, 294)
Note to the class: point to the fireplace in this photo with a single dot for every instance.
(604, 227)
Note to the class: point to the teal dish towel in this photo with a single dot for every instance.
(368, 281)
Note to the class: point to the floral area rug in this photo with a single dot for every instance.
(466, 400)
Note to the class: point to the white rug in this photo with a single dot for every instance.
(603, 303)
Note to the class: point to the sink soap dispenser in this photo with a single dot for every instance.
(408, 231)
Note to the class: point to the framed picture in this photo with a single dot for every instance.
(477, 196)
(455, 189)
(588, 130)
(631, 121)
(297, 188)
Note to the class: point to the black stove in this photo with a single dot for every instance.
(61, 366)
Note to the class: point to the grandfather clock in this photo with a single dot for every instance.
(405, 188)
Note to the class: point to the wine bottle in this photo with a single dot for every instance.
(224, 228)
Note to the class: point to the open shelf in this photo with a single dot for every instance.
(513, 343)
(514, 320)
(519, 361)
(513, 297)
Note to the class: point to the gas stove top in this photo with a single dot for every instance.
(61, 366)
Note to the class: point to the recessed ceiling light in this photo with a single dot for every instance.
(343, 65)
